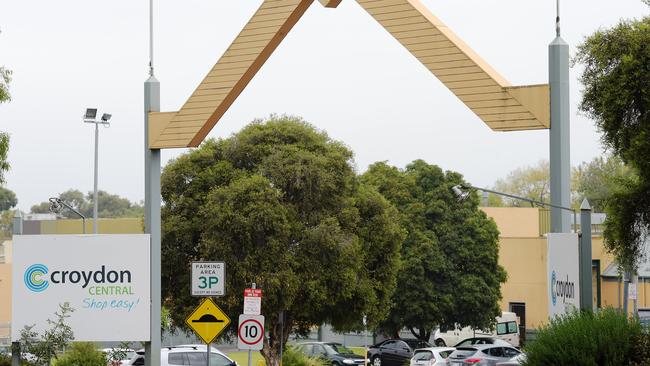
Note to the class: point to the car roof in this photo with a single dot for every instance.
(480, 347)
(495, 341)
(435, 349)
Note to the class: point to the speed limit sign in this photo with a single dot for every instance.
(250, 332)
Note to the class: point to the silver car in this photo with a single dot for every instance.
(481, 355)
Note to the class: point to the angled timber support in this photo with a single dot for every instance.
(501, 106)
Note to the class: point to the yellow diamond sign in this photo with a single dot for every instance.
(208, 321)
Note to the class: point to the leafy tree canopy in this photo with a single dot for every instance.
(280, 203)
(598, 180)
(450, 273)
(110, 205)
(531, 182)
(8, 199)
(616, 95)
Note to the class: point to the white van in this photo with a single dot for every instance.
(506, 328)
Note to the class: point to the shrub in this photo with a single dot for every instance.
(81, 354)
(293, 357)
(584, 338)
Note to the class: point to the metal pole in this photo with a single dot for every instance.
(15, 346)
(250, 352)
(207, 356)
(152, 220)
(559, 133)
(95, 203)
(586, 289)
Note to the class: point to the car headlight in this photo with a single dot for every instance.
(348, 361)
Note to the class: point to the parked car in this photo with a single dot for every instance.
(335, 353)
(515, 361)
(505, 327)
(186, 355)
(394, 352)
(482, 340)
(481, 355)
(433, 356)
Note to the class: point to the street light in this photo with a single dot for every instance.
(462, 192)
(57, 204)
(89, 117)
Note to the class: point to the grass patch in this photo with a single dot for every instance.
(241, 357)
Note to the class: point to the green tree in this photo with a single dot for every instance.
(450, 273)
(44, 348)
(5, 79)
(8, 199)
(531, 182)
(280, 203)
(616, 96)
(110, 205)
(598, 180)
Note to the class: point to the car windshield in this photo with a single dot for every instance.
(334, 348)
(462, 353)
(422, 356)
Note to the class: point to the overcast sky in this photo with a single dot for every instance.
(338, 68)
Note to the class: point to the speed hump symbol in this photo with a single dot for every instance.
(250, 332)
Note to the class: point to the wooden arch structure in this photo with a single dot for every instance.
(501, 106)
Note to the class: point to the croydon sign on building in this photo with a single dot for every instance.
(563, 272)
(104, 278)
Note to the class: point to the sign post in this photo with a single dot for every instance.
(251, 334)
(208, 321)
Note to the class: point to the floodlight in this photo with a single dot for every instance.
(106, 117)
(55, 205)
(91, 113)
(459, 192)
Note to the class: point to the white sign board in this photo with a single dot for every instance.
(250, 332)
(563, 273)
(208, 278)
(252, 301)
(104, 278)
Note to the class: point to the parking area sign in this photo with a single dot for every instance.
(208, 278)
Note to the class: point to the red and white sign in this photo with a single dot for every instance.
(250, 332)
(252, 301)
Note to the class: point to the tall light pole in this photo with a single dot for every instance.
(89, 117)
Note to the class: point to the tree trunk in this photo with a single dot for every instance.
(272, 343)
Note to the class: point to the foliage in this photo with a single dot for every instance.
(293, 357)
(115, 355)
(43, 348)
(8, 199)
(585, 338)
(110, 205)
(531, 182)
(450, 273)
(598, 180)
(616, 96)
(6, 223)
(280, 203)
(82, 354)
(4, 155)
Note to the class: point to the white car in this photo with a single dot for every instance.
(186, 355)
(434, 356)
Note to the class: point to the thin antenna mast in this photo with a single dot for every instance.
(557, 18)
(151, 37)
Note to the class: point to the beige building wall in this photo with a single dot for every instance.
(514, 222)
(5, 299)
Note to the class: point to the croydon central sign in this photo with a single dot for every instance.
(104, 278)
(563, 273)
